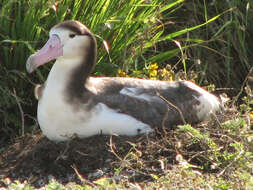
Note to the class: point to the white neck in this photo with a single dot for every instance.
(59, 76)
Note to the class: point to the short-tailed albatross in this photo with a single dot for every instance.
(71, 103)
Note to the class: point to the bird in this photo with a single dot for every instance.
(73, 103)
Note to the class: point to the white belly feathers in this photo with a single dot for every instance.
(99, 120)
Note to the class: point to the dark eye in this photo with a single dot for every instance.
(72, 35)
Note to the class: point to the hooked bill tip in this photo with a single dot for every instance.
(30, 67)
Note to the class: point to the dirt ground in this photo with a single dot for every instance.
(36, 159)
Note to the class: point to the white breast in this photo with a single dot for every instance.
(62, 125)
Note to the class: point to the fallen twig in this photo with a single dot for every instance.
(243, 84)
(14, 94)
(82, 178)
(172, 105)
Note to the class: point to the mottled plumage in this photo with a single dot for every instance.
(73, 103)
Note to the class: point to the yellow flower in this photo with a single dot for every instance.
(164, 72)
(152, 73)
(153, 66)
(152, 70)
(167, 75)
(121, 73)
(251, 115)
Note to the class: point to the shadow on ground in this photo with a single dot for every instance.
(36, 160)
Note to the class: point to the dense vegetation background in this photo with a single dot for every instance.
(207, 41)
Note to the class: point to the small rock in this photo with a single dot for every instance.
(117, 178)
(50, 177)
(96, 174)
(106, 169)
(108, 160)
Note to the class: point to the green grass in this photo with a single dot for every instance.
(225, 43)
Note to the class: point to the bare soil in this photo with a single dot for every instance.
(36, 159)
